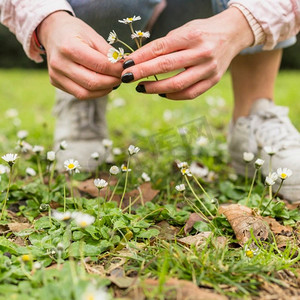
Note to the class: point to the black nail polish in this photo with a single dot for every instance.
(140, 88)
(115, 87)
(162, 95)
(128, 63)
(127, 77)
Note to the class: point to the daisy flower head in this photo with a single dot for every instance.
(91, 293)
(10, 158)
(61, 216)
(258, 163)
(95, 155)
(115, 55)
(271, 150)
(22, 134)
(23, 146)
(72, 166)
(4, 169)
(37, 265)
(114, 170)
(270, 180)
(284, 173)
(125, 169)
(180, 187)
(100, 183)
(51, 155)
(63, 145)
(83, 220)
(248, 157)
(38, 149)
(182, 164)
(186, 171)
(140, 34)
(116, 151)
(112, 38)
(145, 177)
(130, 20)
(133, 150)
(30, 172)
(107, 143)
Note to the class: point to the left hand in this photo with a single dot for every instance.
(202, 48)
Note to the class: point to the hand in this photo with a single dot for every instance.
(202, 48)
(77, 57)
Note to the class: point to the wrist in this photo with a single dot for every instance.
(44, 28)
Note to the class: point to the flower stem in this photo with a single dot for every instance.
(99, 205)
(273, 197)
(114, 190)
(123, 43)
(40, 168)
(246, 175)
(126, 181)
(132, 31)
(7, 192)
(51, 175)
(262, 197)
(107, 188)
(201, 187)
(251, 188)
(195, 195)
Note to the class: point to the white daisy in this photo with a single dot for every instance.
(145, 177)
(83, 220)
(4, 169)
(11, 113)
(182, 164)
(186, 171)
(100, 183)
(271, 150)
(114, 170)
(95, 155)
(63, 145)
(140, 34)
(23, 146)
(180, 187)
(124, 168)
(72, 165)
(258, 163)
(91, 293)
(284, 173)
(133, 150)
(130, 20)
(107, 143)
(198, 171)
(116, 151)
(22, 134)
(30, 172)
(51, 155)
(61, 216)
(10, 158)
(112, 38)
(269, 181)
(38, 149)
(248, 157)
(115, 55)
(37, 265)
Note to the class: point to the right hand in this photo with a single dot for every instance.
(77, 57)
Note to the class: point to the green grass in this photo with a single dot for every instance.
(136, 236)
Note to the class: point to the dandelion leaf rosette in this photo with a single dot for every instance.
(243, 222)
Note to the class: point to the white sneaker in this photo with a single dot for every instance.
(82, 124)
(268, 125)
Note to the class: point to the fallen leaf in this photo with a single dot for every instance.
(194, 217)
(17, 227)
(122, 282)
(166, 231)
(243, 222)
(276, 227)
(197, 239)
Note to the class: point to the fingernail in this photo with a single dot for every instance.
(115, 87)
(162, 95)
(128, 63)
(140, 88)
(127, 77)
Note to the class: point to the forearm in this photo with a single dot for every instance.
(23, 16)
(278, 19)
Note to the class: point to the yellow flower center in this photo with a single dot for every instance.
(283, 175)
(25, 257)
(249, 253)
(130, 19)
(140, 34)
(90, 297)
(115, 55)
(83, 224)
(66, 218)
(71, 166)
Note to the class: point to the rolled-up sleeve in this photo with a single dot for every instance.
(23, 16)
(279, 19)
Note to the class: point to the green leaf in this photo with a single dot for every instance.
(202, 226)
(6, 245)
(147, 234)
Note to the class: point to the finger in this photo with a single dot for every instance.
(90, 80)
(164, 64)
(195, 90)
(157, 48)
(92, 59)
(180, 81)
(71, 87)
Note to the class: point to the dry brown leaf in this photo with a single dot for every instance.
(17, 227)
(243, 222)
(166, 231)
(147, 192)
(194, 217)
(122, 282)
(276, 227)
(197, 239)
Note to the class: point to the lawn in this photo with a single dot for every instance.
(139, 237)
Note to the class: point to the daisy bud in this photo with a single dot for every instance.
(180, 187)
(38, 149)
(30, 172)
(63, 145)
(258, 163)
(146, 177)
(95, 155)
(133, 150)
(51, 155)
(248, 157)
(100, 183)
(114, 170)
(22, 134)
(107, 143)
